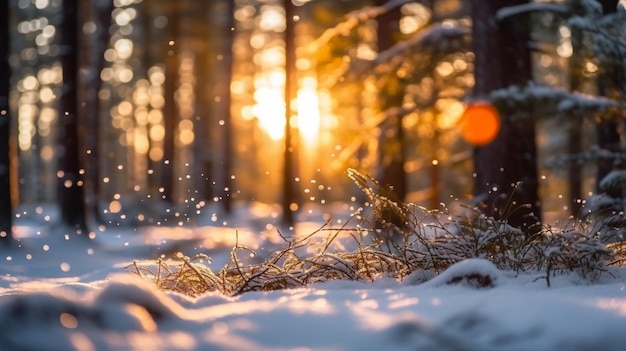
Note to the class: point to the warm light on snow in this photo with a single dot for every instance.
(97, 305)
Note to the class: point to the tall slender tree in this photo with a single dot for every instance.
(575, 131)
(6, 211)
(224, 105)
(70, 182)
(95, 45)
(391, 157)
(502, 59)
(607, 131)
(289, 193)
(170, 110)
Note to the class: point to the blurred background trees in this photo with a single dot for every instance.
(6, 208)
(180, 111)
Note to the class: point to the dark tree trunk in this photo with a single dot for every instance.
(96, 45)
(609, 6)
(6, 210)
(224, 106)
(391, 155)
(607, 131)
(575, 147)
(575, 131)
(170, 110)
(205, 81)
(502, 59)
(289, 193)
(70, 183)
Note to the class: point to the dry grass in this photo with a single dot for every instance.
(402, 243)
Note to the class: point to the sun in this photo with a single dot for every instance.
(480, 123)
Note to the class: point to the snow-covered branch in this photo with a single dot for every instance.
(552, 100)
(436, 34)
(353, 19)
(370, 12)
(512, 11)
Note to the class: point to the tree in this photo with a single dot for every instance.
(224, 105)
(170, 111)
(391, 156)
(95, 45)
(70, 182)
(289, 194)
(502, 59)
(6, 210)
(575, 146)
(607, 131)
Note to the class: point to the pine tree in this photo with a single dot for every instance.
(502, 59)
(391, 93)
(70, 183)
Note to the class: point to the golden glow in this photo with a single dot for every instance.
(156, 153)
(415, 16)
(124, 48)
(157, 132)
(123, 74)
(444, 69)
(155, 116)
(29, 83)
(141, 141)
(591, 67)
(565, 48)
(156, 75)
(270, 108)
(272, 18)
(270, 111)
(186, 135)
(451, 112)
(308, 110)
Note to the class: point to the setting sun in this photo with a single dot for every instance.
(308, 109)
(480, 123)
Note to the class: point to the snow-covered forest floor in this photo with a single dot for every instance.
(74, 293)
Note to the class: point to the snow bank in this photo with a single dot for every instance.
(472, 306)
(475, 273)
(128, 314)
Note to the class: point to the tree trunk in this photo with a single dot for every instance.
(70, 183)
(224, 107)
(170, 110)
(289, 193)
(575, 129)
(96, 45)
(502, 59)
(6, 210)
(391, 157)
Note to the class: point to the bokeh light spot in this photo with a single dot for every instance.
(480, 123)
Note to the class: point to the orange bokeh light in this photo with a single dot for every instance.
(480, 123)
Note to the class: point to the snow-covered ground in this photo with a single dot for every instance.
(71, 293)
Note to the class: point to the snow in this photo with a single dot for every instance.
(61, 292)
(613, 181)
(512, 11)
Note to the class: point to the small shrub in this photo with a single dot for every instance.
(605, 212)
(403, 243)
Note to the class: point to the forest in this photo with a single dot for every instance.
(364, 174)
(132, 113)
